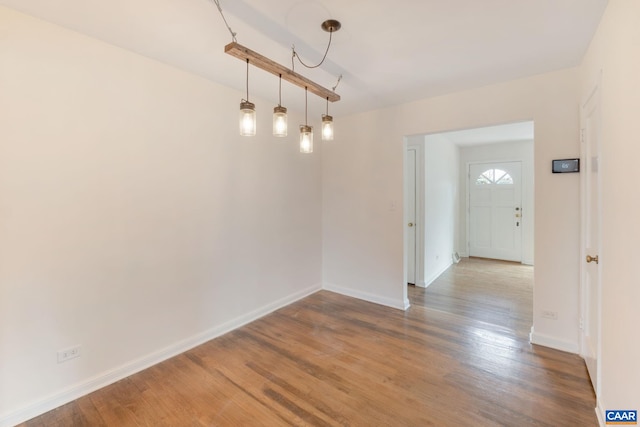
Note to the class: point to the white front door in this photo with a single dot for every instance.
(411, 216)
(495, 210)
(590, 271)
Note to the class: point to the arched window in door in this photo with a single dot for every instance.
(494, 176)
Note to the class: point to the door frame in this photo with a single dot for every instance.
(593, 95)
(468, 200)
(420, 201)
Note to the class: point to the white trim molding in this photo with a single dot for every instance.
(600, 413)
(552, 342)
(106, 378)
(401, 304)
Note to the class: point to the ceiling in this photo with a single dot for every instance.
(388, 52)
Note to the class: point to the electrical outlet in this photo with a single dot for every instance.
(548, 314)
(69, 353)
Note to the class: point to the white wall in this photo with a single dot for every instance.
(510, 151)
(441, 205)
(363, 180)
(134, 220)
(614, 51)
(362, 210)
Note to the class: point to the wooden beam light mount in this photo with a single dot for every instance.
(266, 64)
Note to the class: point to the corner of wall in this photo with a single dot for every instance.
(400, 304)
(553, 342)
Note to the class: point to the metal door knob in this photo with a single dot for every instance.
(592, 258)
(410, 224)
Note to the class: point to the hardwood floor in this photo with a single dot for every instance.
(458, 357)
(497, 292)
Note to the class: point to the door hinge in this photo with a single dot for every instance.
(581, 323)
(582, 135)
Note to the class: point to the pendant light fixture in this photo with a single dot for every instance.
(306, 131)
(289, 74)
(327, 125)
(247, 113)
(280, 115)
(248, 110)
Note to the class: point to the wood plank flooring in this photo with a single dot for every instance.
(457, 357)
(498, 292)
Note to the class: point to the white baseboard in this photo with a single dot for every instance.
(366, 296)
(552, 342)
(83, 388)
(527, 262)
(437, 274)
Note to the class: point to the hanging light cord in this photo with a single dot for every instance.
(247, 80)
(233, 35)
(295, 54)
(280, 92)
(305, 106)
(337, 83)
(293, 57)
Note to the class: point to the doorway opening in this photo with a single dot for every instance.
(468, 193)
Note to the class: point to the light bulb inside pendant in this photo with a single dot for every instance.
(280, 115)
(327, 125)
(247, 113)
(306, 139)
(327, 128)
(247, 119)
(279, 121)
(306, 131)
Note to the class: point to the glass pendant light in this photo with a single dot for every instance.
(247, 113)
(247, 119)
(327, 125)
(280, 115)
(306, 131)
(306, 139)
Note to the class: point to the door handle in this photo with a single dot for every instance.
(410, 224)
(592, 259)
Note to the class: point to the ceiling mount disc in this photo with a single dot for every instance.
(331, 25)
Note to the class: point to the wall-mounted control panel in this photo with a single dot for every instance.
(565, 165)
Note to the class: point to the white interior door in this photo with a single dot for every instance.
(590, 271)
(495, 210)
(411, 216)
